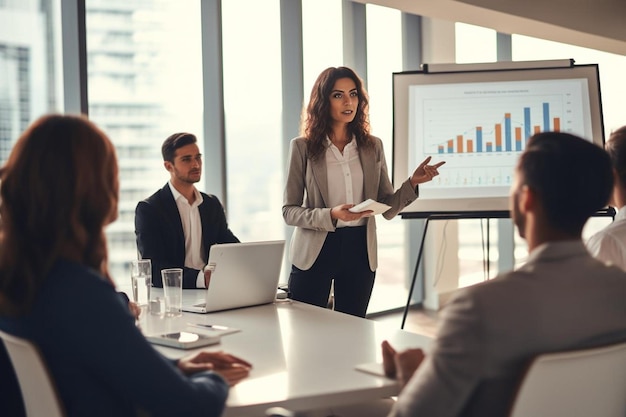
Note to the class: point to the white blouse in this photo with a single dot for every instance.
(345, 178)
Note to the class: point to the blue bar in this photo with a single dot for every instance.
(439, 150)
(507, 133)
(450, 150)
(479, 140)
(489, 148)
(518, 145)
(527, 129)
(498, 148)
(546, 117)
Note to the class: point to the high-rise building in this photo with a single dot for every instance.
(123, 55)
(27, 67)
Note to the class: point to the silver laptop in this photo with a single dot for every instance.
(245, 274)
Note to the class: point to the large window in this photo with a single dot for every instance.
(474, 44)
(478, 238)
(143, 86)
(252, 100)
(322, 48)
(384, 56)
(613, 91)
(145, 82)
(29, 66)
(472, 233)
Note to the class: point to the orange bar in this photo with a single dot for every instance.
(470, 146)
(518, 134)
(459, 143)
(537, 129)
(557, 124)
(499, 136)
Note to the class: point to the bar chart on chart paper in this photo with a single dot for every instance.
(480, 129)
(487, 125)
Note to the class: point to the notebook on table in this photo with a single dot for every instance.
(244, 274)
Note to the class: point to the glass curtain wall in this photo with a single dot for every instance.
(472, 233)
(384, 57)
(611, 67)
(145, 83)
(475, 234)
(252, 104)
(322, 48)
(30, 66)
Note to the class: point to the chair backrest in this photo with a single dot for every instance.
(590, 382)
(38, 392)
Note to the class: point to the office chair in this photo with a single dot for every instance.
(38, 392)
(589, 382)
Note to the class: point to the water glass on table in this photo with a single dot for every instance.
(141, 281)
(173, 291)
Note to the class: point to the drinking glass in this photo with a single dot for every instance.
(141, 281)
(173, 291)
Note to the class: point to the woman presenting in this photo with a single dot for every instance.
(334, 165)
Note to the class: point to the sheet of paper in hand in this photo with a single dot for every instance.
(369, 204)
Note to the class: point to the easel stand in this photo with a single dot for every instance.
(504, 214)
(440, 216)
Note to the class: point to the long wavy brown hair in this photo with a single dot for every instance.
(317, 123)
(59, 188)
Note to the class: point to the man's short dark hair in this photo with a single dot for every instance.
(572, 176)
(174, 142)
(616, 148)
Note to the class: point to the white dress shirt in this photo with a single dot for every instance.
(192, 229)
(345, 178)
(609, 244)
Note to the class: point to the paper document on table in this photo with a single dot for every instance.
(212, 329)
(369, 204)
(183, 340)
(374, 368)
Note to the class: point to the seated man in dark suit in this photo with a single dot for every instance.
(561, 299)
(176, 226)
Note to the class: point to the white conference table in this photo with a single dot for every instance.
(303, 357)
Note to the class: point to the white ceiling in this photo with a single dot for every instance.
(597, 24)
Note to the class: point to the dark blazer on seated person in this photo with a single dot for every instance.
(160, 236)
(98, 358)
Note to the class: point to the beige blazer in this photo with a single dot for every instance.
(561, 299)
(306, 193)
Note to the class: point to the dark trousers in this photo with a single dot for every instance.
(344, 259)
